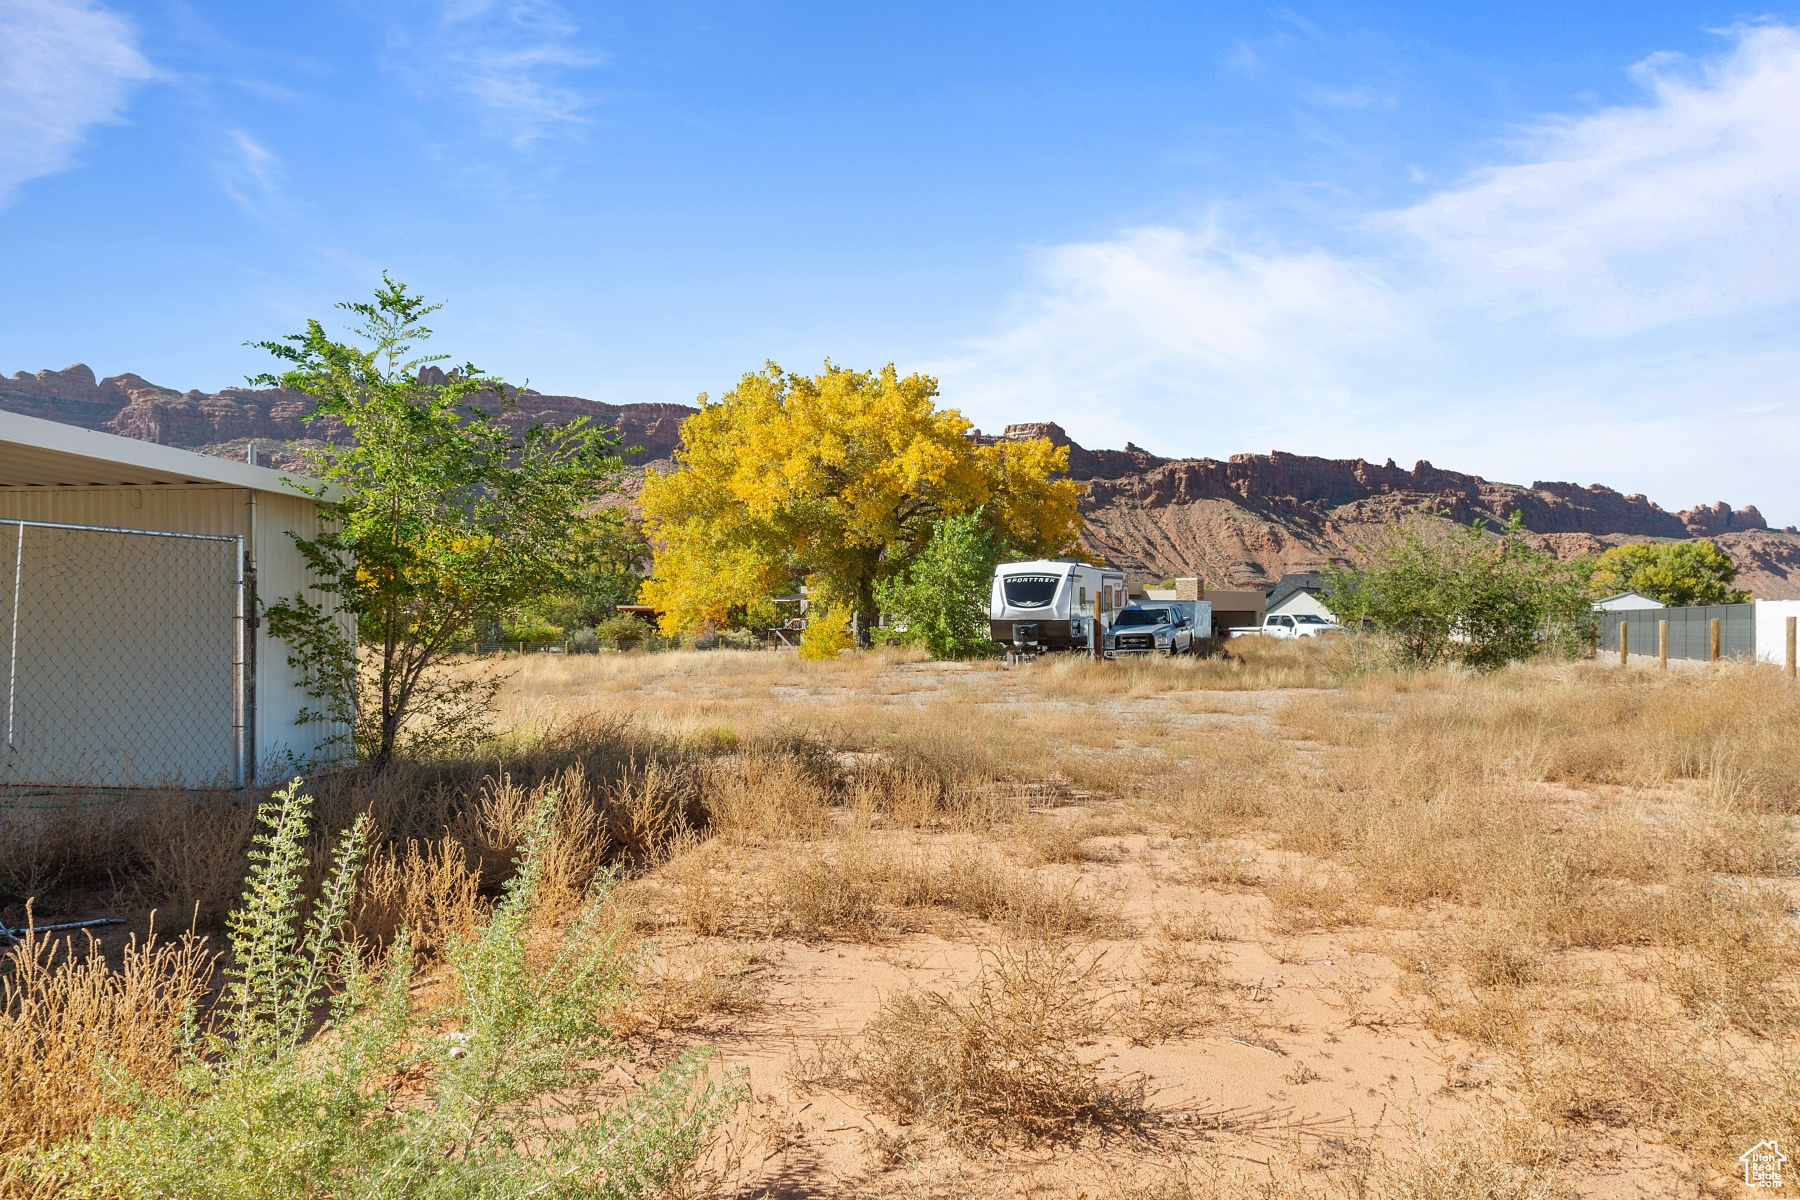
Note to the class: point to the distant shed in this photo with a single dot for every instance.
(130, 652)
(1626, 601)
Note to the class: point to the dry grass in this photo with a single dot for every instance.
(1004, 1056)
(1177, 989)
(1242, 664)
(1468, 1163)
(861, 886)
(63, 1008)
(429, 890)
(1583, 873)
(683, 987)
(1450, 797)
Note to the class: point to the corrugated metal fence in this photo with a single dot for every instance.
(1690, 630)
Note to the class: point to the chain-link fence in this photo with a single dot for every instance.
(123, 657)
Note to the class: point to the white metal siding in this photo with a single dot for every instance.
(1771, 629)
(217, 510)
(281, 572)
(205, 509)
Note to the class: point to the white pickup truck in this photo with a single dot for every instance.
(1281, 625)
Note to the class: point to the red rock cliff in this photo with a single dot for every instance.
(1243, 521)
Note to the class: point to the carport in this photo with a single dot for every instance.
(130, 650)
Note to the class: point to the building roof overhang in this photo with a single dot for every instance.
(39, 453)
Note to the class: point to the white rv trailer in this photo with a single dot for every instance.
(1049, 604)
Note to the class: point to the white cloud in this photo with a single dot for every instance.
(1636, 216)
(1605, 304)
(249, 172)
(65, 65)
(1169, 310)
(512, 58)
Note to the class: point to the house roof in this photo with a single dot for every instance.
(1650, 601)
(1308, 581)
(39, 453)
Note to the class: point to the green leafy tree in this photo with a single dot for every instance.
(1677, 573)
(440, 521)
(609, 559)
(1446, 592)
(941, 598)
(834, 480)
(499, 1093)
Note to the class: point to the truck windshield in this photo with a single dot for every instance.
(1310, 619)
(1143, 616)
(1029, 591)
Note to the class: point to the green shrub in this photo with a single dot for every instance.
(941, 599)
(528, 628)
(1442, 592)
(738, 639)
(493, 1094)
(622, 630)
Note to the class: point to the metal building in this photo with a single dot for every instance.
(130, 653)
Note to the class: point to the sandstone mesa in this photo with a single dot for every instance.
(1240, 522)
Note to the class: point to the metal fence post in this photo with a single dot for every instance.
(252, 623)
(12, 669)
(1713, 649)
(1624, 642)
(241, 669)
(1662, 644)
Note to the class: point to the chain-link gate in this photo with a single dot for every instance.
(123, 659)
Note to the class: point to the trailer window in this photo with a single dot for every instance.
(1029, 591)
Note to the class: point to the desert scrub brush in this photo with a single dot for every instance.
(328, 1079)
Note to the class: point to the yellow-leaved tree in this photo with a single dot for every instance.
(835, 479)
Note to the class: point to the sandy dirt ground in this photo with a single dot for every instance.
(1300, 1053)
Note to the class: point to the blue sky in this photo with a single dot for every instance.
(1531, 241)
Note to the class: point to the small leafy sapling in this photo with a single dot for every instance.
(941, 598)
(440, 520)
